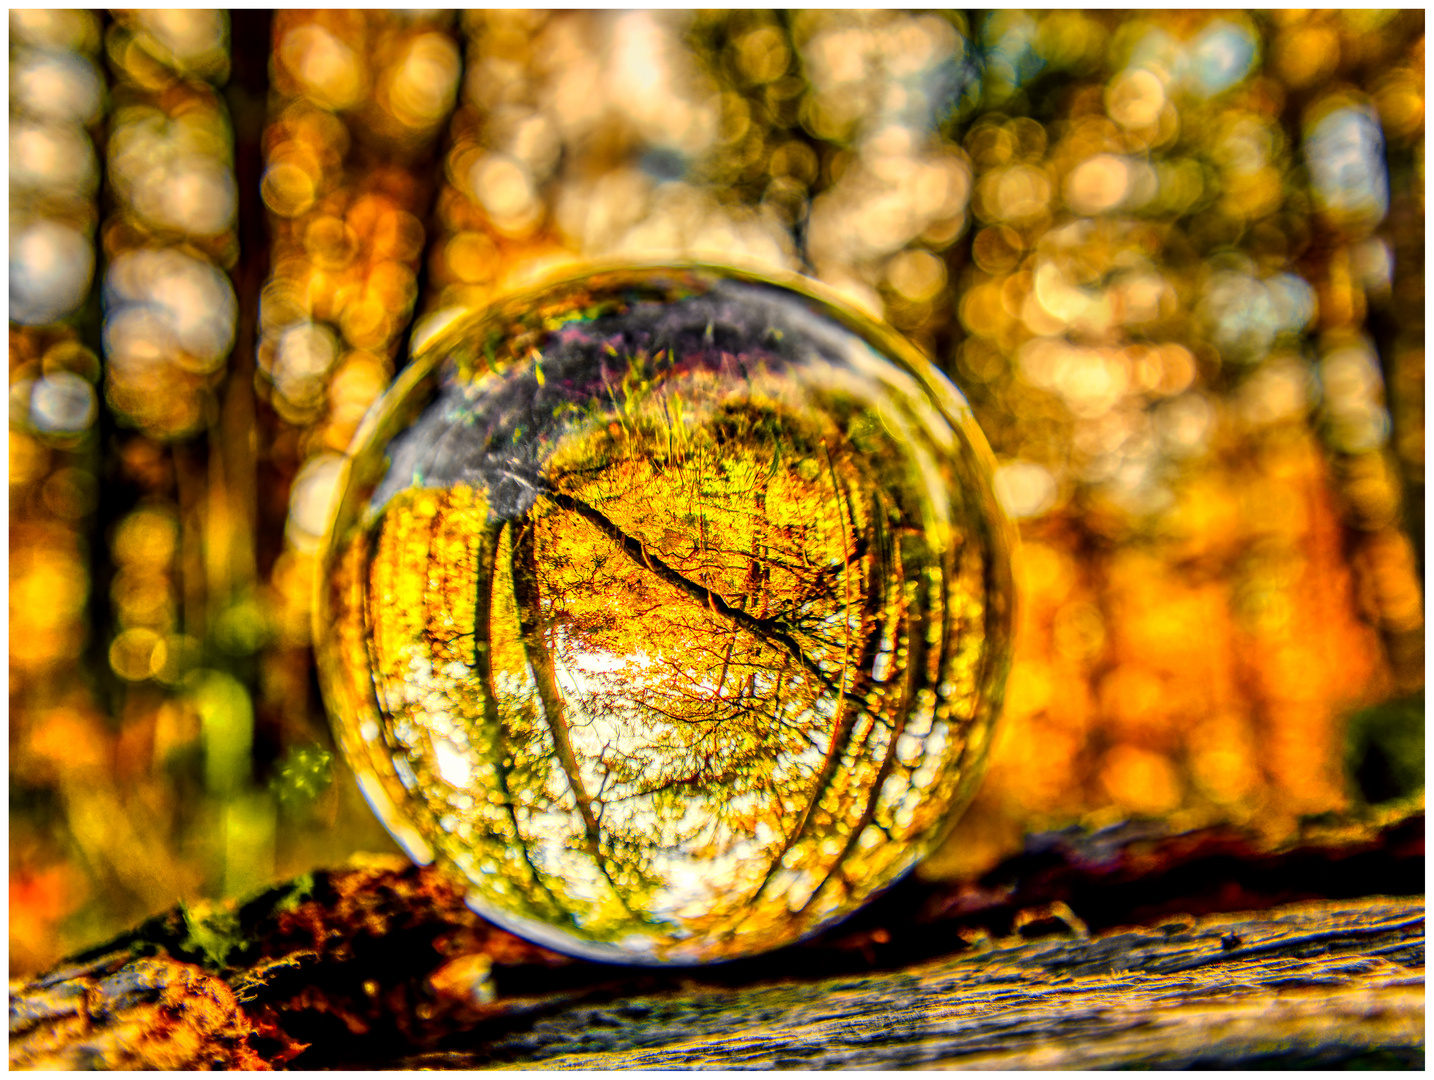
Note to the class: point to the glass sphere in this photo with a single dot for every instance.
(671, 607)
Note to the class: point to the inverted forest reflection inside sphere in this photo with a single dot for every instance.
(670, 607)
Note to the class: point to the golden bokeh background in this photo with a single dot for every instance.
(1175, 260)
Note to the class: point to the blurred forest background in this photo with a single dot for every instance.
(1175, 259)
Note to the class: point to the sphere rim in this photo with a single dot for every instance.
(436, 347)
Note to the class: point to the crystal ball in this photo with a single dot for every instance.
(669, 607)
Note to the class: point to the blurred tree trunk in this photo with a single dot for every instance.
(1099, 950)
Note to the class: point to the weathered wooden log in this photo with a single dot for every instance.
(1312, 985)
(383, 965)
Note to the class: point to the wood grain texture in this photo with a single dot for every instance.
(1312, 985)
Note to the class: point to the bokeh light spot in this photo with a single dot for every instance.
(1223, 55)
(1134, 98)
(1345, 151)
(51, 265)
(62, 403)
(1025, 489)
(328, 69)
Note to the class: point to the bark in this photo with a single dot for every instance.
(1123, 948)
